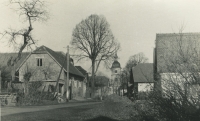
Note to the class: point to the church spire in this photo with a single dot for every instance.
(116, 64)
(116, 57)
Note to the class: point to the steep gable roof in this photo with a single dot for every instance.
(59, 57)
(5, 57)
(143, 73)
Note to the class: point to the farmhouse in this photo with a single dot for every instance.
(45, 65)
(176, 58)
(143, 78)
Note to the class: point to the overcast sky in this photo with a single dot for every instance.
(134, 23)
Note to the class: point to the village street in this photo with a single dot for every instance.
(99, 60)
(15, 110)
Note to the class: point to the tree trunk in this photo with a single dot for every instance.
(123, 90)
(26, 87)
(127, 90)
(93, 78)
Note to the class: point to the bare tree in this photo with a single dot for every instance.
(135, 60)
(30, 11)
(124, 79)
(93, 39)
(29, 72)
(102, 82)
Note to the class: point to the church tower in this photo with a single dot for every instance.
(115, 75)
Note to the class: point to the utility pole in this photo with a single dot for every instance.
(67, 83)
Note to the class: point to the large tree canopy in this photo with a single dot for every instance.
(135, 60)
(92, 38)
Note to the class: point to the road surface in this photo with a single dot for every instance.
(14, 110)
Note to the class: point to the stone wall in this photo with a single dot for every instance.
(78, 89)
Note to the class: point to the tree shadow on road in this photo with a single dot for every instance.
(102, 118)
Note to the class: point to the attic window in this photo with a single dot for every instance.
(39, 61)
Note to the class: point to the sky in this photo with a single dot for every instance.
(134, 23)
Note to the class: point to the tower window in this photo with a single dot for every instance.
(39, 61)
(115, 71)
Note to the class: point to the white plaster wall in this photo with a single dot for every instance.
(48, 64)
(144, 87)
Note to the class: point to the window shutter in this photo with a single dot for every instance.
(40, 61)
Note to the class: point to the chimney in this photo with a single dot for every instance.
(72, 61)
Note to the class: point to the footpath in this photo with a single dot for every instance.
(14, 110)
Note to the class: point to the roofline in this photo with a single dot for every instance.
(176, 34)
(51, 57)
(54, 59)
(37, 53)
(142, 64)
(181, 33)
(61, 66)
(78, 70)
(23, 62)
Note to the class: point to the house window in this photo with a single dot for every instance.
(115, 71)
(39, 61)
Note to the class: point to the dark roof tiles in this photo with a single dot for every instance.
(60, 57)
(143, 73)
(116, 64)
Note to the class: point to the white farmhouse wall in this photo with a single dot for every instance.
(169, 82)
(47, 64)
(145, 87)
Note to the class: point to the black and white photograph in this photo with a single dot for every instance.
(100, 60)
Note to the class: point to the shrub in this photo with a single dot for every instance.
(34, 96)
(146, 111)
(115, 107)
(172, 109)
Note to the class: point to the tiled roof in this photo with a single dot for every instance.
(59, 57)
(168, 43)
(83, 71)
(143, 73)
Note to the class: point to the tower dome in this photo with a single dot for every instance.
(116, 64)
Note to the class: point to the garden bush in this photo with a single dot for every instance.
(35, 96)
